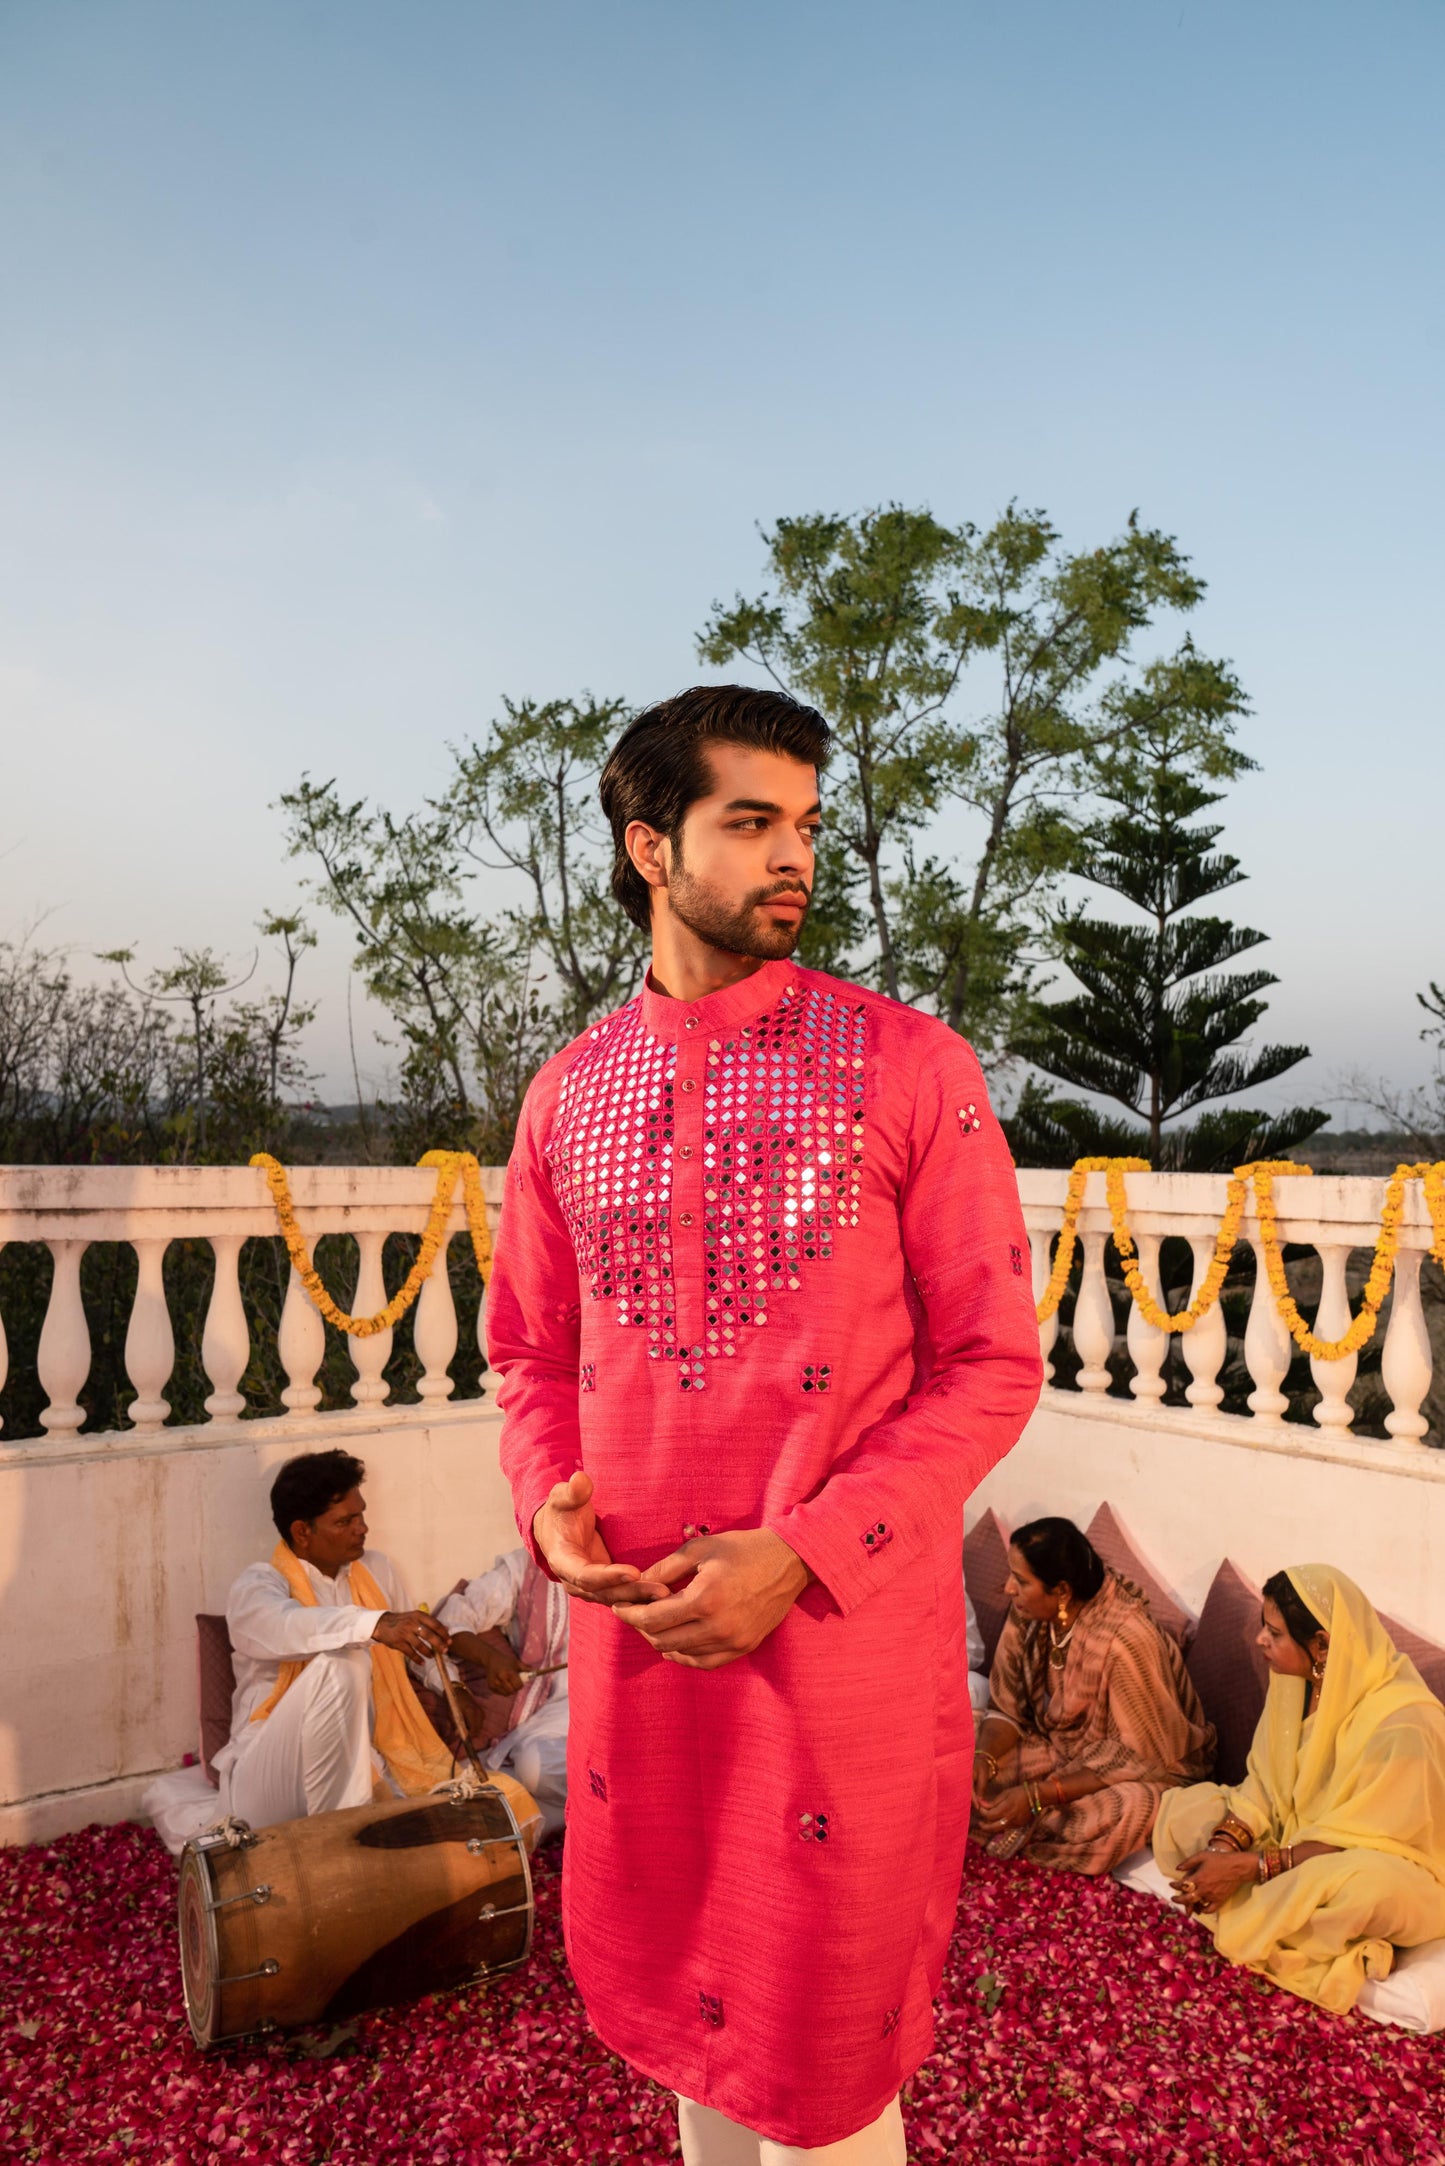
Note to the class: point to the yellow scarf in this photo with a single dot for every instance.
(1368, 1772)
(413, 1752)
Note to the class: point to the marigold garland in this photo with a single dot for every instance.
(451, 1166)
(1382, 1267)
(1261, 1174)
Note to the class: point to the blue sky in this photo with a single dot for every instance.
(364, 362)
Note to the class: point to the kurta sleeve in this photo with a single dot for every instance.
(488, 1600)
(534, 1323)
(903, 1482)
(267, 1624)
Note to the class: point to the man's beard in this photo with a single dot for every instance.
(738, 930)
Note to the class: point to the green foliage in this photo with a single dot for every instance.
(525, 802)
(480, 1001)
(1158, 1011)
(887, 621)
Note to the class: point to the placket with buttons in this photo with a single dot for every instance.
(687, 1201)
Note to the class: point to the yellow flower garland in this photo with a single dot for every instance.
(1262, 1174)
(451, 1166)
(1382, 1267)
(1068, 1231)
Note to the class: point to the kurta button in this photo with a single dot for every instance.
(688, 1084)
(684, 1150)
(689, 1022)
(685, 1219)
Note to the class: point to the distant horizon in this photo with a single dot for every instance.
(371, 369)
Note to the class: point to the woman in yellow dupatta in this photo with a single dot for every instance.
(1331, 1853)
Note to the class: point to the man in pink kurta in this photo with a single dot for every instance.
(762, 1278)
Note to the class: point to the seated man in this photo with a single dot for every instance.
(324, 1714)
(516, 1679)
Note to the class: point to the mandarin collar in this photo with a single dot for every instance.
(678, 1021)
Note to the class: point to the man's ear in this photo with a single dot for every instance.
(303, 1528)
(648, 849)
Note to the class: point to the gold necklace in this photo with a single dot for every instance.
(1059, 1644)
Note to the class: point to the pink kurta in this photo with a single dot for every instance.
(761, 1263)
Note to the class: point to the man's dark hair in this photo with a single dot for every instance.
(1060, 1555)
(658, 766)
(1300, 1620)
(304, 1488)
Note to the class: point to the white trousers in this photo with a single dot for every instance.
(710, 2139)
(312, 1754)
(536, 1754)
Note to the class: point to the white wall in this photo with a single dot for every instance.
(1194, 1489)
(108, 1549)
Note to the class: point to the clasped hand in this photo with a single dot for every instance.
(1008, 1808)
(703, 1605)
(1208, 1879)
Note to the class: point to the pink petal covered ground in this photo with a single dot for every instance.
(1077, 2022)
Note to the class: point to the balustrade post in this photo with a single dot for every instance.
(226, 1340)
(370, 1356)
(1207, 1342)
(490, 1380)
(63, 1360)
(1334, 1378)
(436, 1330)
(1147, 1344)
(1094, 1318)
(1040, 1246)
(1405, 1361)
(1266, 1346)
(150, 1346)
(301, 1344)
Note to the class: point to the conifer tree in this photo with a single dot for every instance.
(1159, 1016)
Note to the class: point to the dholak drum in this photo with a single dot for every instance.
(315, 1920)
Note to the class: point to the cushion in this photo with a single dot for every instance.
(1230, 1674)
(985, 1568)
(1428, 1656)
(217, 1684)
(1107, 1534)
(1413, 1996)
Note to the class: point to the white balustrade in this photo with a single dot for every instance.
(370, 1356)
(1405, 1361)
(1267, 1346)
(63, 1360)
(1147, 1344)
(150, 1347)
(1094, 1317)
(1331, 1214)
(1041, 1247)
(490, 1379)
(1207, 1341)
(1334, 1378)
(226, 1340)
(70, 1207)
(436, 1332)
(301, 1343)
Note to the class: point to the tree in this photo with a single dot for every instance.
(1152, 1027)
(482, 1001)
(525, 801)
(87, 1072)
(195, 981)
(885, 621)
